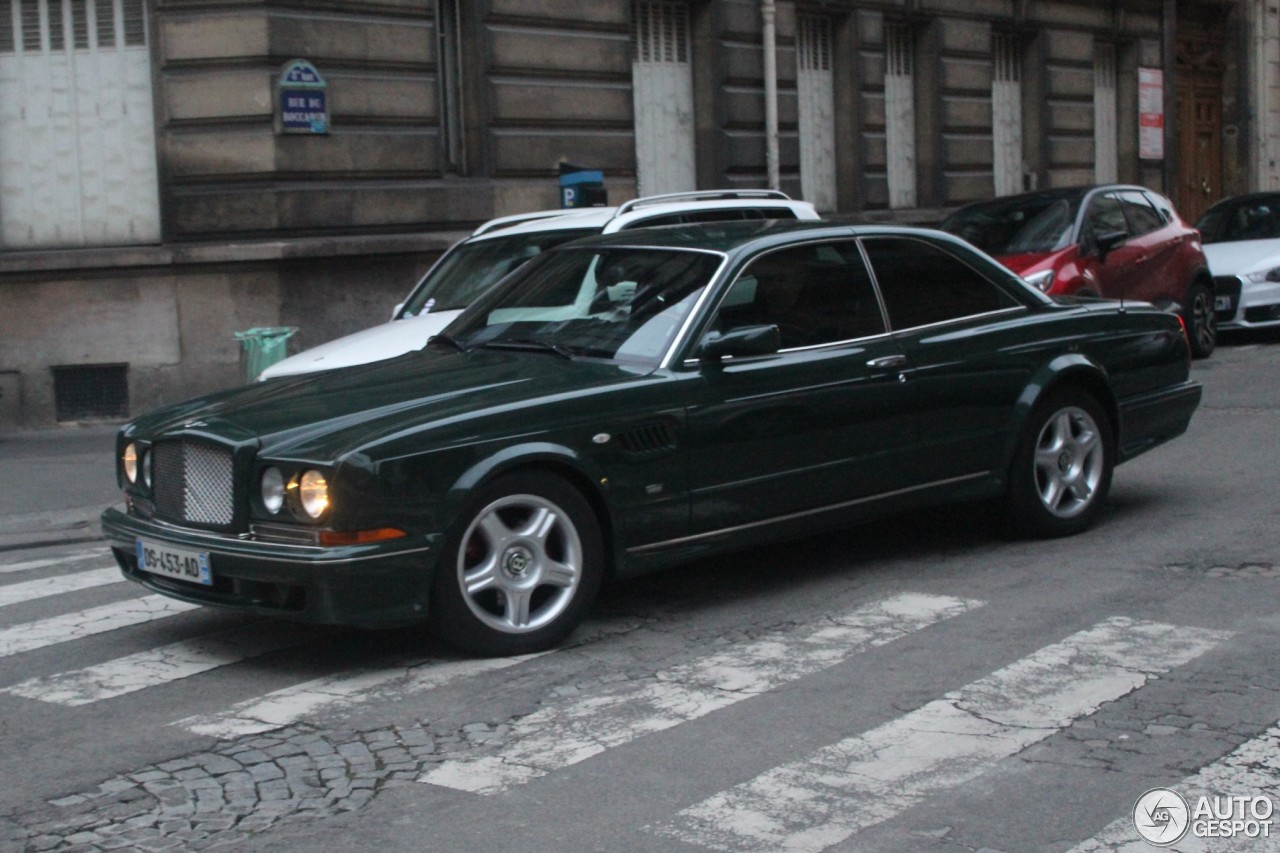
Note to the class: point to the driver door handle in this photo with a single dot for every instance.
(888, 362)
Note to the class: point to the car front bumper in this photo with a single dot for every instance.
(1256, 307)
(382, 584)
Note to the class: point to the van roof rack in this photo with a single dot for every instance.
(700, 195)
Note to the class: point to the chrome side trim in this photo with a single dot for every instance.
(684, 540)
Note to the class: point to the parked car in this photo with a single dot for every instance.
(1113, 241)
(1242, 242)
(630, 401)
(500, 245)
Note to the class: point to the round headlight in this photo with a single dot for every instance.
(313, 491)
(272, 490)
(130, 460)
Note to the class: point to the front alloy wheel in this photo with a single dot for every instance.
(520, 563)
(522, 569)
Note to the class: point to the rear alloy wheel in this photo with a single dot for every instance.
(1062, 468)
(521, 569)
(1201, 320)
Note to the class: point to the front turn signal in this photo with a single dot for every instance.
(330, 538)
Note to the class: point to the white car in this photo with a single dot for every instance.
(501, 245)
(1242, 243)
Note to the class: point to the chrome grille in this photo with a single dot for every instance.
(194, 482)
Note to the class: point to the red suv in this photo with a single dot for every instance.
(1114, 241)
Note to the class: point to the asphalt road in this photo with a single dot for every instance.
(919, 684)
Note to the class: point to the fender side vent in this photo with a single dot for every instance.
(651, 439)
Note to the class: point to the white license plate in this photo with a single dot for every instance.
(1222, 303)
(190, 566)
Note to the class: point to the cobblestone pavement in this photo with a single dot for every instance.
(217, 799)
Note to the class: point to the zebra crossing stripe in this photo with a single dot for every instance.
(1251, 770)
(16, 593)
(821, 800)
(156, 666)
(85, 623)
(45, 562)
(288, 705)
(557, 737)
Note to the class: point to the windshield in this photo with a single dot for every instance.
(1036, 224)
(471, 268)
(624, 304)
(1253, 219)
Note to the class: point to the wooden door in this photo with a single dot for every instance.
(1199, 88)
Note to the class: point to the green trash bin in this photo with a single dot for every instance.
(263, 347)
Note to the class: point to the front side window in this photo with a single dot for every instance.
(923, 284)
(815, 294)
(1106, 216)
(1024, 226)
(622, 304)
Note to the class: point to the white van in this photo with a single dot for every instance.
(500, 245)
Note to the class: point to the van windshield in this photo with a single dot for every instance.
(472, 267)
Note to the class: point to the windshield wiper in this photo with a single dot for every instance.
(448, 340)
(534, 344)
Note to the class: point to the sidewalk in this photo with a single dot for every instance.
(56, 484)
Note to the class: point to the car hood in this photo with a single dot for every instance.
(374, 344)
(322, 416)
(1239, 256)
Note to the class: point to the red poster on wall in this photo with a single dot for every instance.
(1150, 113)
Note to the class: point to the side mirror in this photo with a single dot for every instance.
(1107, 241)
(740, 342)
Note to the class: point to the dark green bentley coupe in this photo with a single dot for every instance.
(628, 402)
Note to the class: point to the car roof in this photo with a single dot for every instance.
(632, 214)
(728, 236)
(1065, 193)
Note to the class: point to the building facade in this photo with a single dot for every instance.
(174, 171)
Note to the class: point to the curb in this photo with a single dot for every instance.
(58, 527)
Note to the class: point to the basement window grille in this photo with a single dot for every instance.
(91, 391)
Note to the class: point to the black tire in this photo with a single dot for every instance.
(1201, 320)
(520, 568)
(1062, 467)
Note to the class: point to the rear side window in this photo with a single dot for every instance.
(1143, 218)
(924, 284)
(1163, 206)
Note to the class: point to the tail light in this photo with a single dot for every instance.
(1182, 324)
